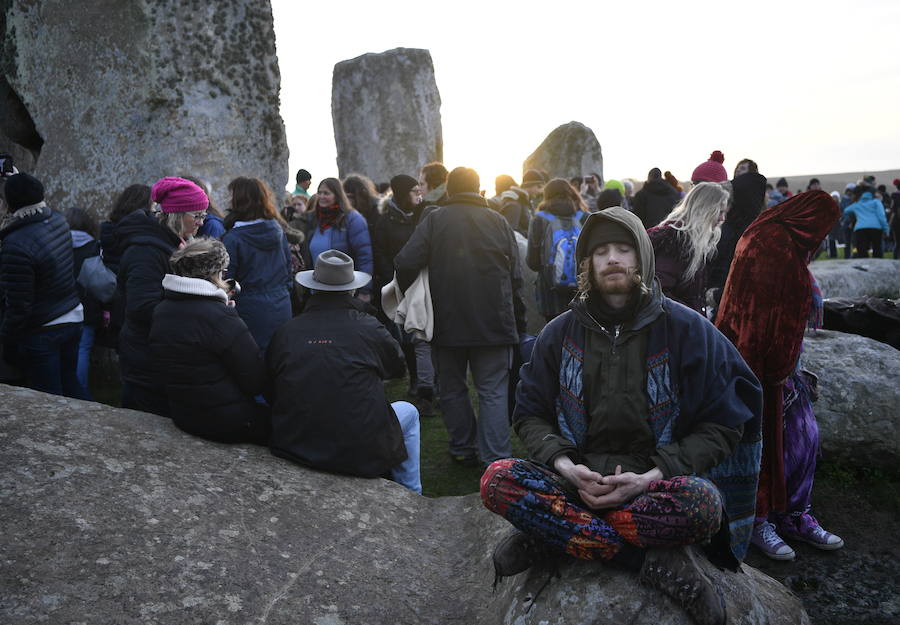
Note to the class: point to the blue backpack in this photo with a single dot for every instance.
(560, 266)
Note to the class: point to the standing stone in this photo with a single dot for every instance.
(857, 277)
(570, 150)
(128, 91)
(386, 110)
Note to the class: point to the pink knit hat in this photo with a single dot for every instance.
(177, 195)
(711, 170)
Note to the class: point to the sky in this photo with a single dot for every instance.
(800, 87)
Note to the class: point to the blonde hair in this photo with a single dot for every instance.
(173, 222)
(696, 220)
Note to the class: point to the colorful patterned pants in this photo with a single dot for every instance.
(680, 511)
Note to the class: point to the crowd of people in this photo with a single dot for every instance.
(649, 430)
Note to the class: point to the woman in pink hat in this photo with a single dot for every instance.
(148, 242)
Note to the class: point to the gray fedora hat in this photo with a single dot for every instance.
(333, 272)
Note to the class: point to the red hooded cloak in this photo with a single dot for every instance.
(764, 309)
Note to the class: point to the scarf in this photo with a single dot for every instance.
(328, 217)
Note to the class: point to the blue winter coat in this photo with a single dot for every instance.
(213, 227)
(869, 213)
(261, 263)
(350, 236)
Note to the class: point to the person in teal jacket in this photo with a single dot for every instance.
(870, 225)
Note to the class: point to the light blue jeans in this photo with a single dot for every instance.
(407, 472)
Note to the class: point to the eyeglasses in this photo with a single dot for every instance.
(196, 216)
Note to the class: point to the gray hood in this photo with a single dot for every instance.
(630, 222)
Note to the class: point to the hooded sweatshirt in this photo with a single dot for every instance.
(260, 260)
(869, 213)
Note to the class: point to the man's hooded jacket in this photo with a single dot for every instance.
(684, 401)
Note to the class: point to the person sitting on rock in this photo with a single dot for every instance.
(642, 426)
(766, 319)
(329, 408)
(210, 367)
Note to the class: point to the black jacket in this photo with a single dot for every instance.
(748, 199)
(474, 273)
(654, 201)
(329, 408)
(36, 281)
(209, 365)
(148, 246)
(393, 230)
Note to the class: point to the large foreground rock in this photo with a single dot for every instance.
(386, 110)
(858, 277)
(127, 92)
(114, 516)
(570, 150)
(859, 395)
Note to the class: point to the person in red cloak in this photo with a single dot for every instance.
(764, 311)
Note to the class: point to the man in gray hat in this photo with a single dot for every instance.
(628, 399)
(329, 408)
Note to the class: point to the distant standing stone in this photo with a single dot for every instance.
(386, 110)
(570, 150)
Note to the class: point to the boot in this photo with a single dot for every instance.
(424, 401)
(516, 553)
(677, 572)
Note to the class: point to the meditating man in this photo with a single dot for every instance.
(629, 398)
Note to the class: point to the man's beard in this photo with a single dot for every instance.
(618, 286)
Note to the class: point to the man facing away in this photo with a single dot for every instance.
(629, 398)
(329, 408)
(476, 289)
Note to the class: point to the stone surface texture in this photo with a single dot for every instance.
(386, 110)
(125, 92)
(858, 277)
(115, 516)
(859, 395)
(570, 150)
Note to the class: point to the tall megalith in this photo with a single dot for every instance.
(570, 150)
(386, 110)
(108, 93)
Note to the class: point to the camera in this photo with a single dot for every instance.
(234, 288)
(6, 164)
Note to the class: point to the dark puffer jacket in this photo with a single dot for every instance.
(261, 262)
(36, 281)
(148, 246)
(329, 408)
(654, 201)
(209, 364)
(391, 233)
(474, 273)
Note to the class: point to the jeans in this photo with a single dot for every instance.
(84, 357)
(490, 373)
(49, 360)
(407, 473)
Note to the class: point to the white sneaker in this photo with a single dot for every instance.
(767, 540)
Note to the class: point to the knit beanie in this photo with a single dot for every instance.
(177, 195)
(23, 190)
(401, 185)
(711, 170)
(608, 231)
(200, 258)
(532, 176)
(615, 184)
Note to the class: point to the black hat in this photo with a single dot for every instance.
(23, 190)
(401, 185)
